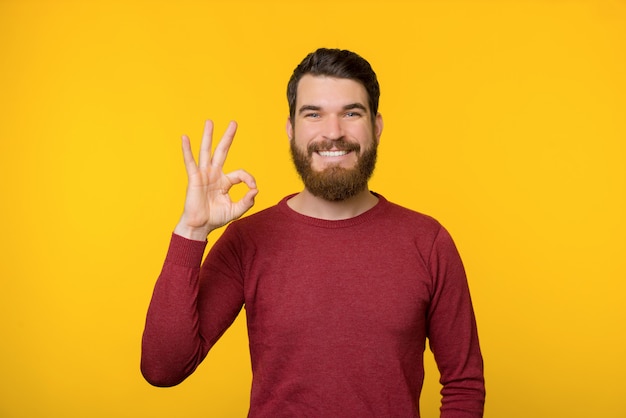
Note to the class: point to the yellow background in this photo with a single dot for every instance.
(505, 120)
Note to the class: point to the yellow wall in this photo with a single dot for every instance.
(505, 120)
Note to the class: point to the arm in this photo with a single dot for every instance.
(453, 334)
(177, 335)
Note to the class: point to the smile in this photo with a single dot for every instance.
(332, 153)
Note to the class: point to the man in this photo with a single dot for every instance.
(341, 287)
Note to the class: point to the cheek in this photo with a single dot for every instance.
(304, 135)
(360, 130)
(307, 130)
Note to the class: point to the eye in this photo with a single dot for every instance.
(353, 114)
(312, 115)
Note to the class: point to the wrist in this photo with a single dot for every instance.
(192, 233)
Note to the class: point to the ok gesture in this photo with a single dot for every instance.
(207, 203)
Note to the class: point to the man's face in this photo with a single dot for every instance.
(333, 136)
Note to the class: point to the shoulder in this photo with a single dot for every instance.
(425, 231)
(258, 221)
(409, 218)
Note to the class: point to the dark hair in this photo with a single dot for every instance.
(337, 63)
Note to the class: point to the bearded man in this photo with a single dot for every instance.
(342, 288)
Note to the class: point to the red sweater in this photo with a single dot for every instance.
(338, 313)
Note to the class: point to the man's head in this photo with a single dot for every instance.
(335, 63)
(334, 125)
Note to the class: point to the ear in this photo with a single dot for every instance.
(378, 126)
(289, 129)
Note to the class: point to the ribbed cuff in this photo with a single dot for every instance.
(185, 252)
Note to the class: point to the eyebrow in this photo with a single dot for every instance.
(355, 106)
(308, 108)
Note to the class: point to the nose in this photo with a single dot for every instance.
(333, 129)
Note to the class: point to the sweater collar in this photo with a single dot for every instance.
(324, 223)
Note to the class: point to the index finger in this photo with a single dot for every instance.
(221, 151)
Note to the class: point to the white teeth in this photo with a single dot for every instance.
(332, 153)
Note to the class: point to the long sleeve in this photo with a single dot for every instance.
(178, 333)
(453, 334)
(338, 313)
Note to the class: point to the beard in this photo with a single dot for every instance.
(335, 183)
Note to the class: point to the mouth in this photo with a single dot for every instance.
(333, 149)
(333, 153)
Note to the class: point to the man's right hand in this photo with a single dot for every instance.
(208, 204)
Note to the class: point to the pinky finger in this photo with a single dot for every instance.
(190, 162)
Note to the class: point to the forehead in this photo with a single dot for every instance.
(328, 91)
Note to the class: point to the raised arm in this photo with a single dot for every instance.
(177, 336)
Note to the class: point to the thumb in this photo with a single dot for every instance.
(245, 203)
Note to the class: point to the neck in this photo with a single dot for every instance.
(308, 204)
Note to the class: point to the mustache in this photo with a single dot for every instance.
(338, 144)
